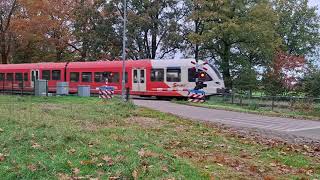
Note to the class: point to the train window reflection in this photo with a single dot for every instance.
(10, 77)
(98, 77)
(46, 74)
(74, 77)
(56, 75)
(157, 75)
(174, 75)
(86, 77)
(1, 76)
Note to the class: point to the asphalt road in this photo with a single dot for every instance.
(297, 127)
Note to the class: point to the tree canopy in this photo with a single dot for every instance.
(238, 35)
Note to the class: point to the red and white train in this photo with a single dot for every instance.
(170, 78)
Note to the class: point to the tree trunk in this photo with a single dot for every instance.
(3, 50)
(154, 41)
(225, 65)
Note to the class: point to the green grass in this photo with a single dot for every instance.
(61, 137)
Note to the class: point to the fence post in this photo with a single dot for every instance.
(12, 87)
(3, 85)
(47, 88)
(22, 84)
(272, 105)
(127, 93)
(232, 98)
(240, 100)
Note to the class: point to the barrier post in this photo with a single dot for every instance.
(196, 96)
(127, 93)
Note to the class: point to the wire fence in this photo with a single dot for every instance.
(267, 102)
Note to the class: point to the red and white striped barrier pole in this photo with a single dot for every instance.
(196, 96)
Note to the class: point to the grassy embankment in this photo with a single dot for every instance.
(64, 137)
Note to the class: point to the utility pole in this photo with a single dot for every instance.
(124, 50)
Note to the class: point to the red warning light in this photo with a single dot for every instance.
(202, 75)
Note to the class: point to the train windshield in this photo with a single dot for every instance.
(216, 71)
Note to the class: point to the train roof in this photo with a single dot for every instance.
(94, 64)
(32, 66)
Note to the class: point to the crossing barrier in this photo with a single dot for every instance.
(106, 92)
(196, 96)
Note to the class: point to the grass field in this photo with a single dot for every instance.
(86, 138)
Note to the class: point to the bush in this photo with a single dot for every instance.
(253, 106)
(303, 105)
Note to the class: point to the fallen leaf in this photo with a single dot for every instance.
(32, 167)
(72, 151)
(62, 176)
(100, 164)
(2, 157)
(269, 178)
(114, 178)
(165, 169)
(220, 164)
(75, 171)
(135, 174)
(273, 164)
(141, 152)
(90, 144)
(108, 160)
(35, 145)
(86, 162)
(309, 172)
(1, 130)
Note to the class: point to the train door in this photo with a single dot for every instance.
(34, 76)
(139, 80)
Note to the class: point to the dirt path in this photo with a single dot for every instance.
(277, 126)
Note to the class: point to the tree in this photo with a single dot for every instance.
(246, 80)
(236, 28)
(154, 28)
(7, 10)
(43, 30)
(311, 83)
(283, 74)
(298, 26)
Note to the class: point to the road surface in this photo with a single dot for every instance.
(303, 128)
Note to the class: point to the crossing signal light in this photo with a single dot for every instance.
(202, 75)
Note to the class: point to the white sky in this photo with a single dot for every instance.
(315, 3)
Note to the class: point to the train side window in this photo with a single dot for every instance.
(114, 77)
(26, 76)
(98, 77)
(56, 75)
(9, 76)
(19, 77)
(1, 76)
(157, 75)
(86, 77)
(192, 75)
(74, 77)
(173, 75)
(46, 75)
